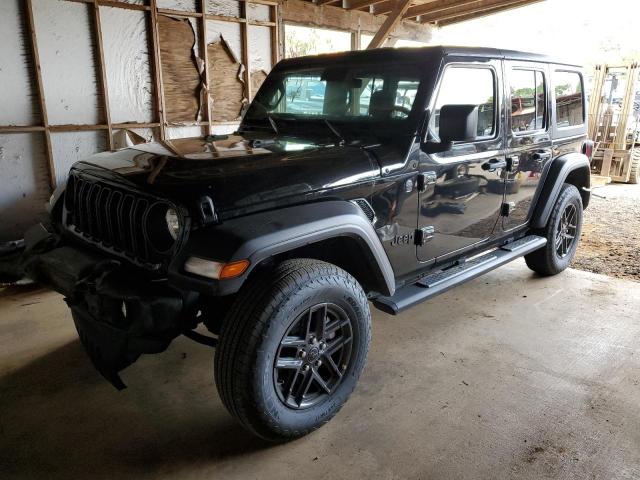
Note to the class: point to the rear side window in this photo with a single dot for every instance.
(468, 86)
(528, 100)
(569, 102)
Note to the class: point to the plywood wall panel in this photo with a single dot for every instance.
(230, 31)
(18, 95)
(25, 183)
(128, 67)
(67, 57)
(180, 74)
(227, 88)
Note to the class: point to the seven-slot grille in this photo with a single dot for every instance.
(118, 220)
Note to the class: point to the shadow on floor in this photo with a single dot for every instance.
(60, 419)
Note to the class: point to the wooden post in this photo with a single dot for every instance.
(43, 104)
(244, 30)
(205, 59)
(275, 36)
(392, 20)
(158, 69)
(102, 71)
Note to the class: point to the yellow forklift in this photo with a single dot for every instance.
(614, 123)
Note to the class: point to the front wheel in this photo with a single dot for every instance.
(292, 348)
(562, 233)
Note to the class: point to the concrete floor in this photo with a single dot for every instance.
(510, 376)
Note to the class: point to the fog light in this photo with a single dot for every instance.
(215, 270)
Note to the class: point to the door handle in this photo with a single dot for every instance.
(541, 156)
(494, 164)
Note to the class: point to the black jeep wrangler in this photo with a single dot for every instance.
(385, 176)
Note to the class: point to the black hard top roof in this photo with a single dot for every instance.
(420, 54)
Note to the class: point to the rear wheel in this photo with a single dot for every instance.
(292, 348)
(562, 233)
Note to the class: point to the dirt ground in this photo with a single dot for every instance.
(610, 242)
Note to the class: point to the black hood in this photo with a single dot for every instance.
(238, 174)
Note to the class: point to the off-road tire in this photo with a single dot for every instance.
(252, 333)
(547, 261)
(634, 175)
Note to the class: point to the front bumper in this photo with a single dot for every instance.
(119, 314)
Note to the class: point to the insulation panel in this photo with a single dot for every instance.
(185, 5)
(227, 8)
(69, 147)
(66, 45)
(127, 63)
(25, 183)
(18, 95)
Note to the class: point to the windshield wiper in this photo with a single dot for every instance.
(335, 132)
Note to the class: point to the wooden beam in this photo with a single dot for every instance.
(436, 7)
(383, 8)
(458, 18)
(102, 74)
(326, 2)
(479, 7)
(389, 24)
(31, 30)
(304, 13)
(21, 128)
(356, 4)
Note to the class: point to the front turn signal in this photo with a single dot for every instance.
(216, 270)
(234, 269)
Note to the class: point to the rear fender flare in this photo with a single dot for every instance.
(572, 168)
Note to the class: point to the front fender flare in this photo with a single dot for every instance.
(575, 165)
(260, 236)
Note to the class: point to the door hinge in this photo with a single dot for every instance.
(424, 234)
(507, 208)
(513, 163)
(425, 179)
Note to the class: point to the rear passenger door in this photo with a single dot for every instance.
(528, 142)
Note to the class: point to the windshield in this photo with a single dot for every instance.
(376, 97)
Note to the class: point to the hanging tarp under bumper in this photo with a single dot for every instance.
(119, 313)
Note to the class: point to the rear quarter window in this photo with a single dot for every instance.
(568, 91)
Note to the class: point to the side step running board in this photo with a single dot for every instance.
(439, 282)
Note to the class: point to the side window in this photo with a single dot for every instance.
(569, 103)
(304, 94)
(468, 86)
(528, 100)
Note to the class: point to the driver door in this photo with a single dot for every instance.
(463, 188)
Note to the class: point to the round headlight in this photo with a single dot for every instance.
(173, 223)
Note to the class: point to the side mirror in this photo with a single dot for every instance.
(458, 123)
